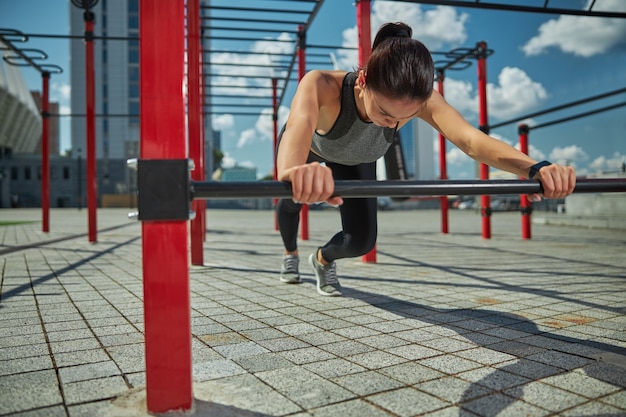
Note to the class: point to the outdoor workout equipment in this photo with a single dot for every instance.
(29, 57)
(166, 190)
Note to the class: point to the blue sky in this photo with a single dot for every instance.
(539, 61)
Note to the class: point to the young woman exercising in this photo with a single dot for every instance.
(342, 122)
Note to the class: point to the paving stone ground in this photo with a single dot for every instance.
(441, 325)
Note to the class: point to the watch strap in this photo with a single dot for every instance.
(535, 168)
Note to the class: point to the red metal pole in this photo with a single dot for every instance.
(195, 125)
(524, 203)
(443, 169)
(165, 250)
(364, 28)
(45, 152)
(203, 163)
(485, 200)
(304, 213)
(363, 15)
(92, 180)
(275, 142)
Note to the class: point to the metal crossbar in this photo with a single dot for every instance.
(397, 188)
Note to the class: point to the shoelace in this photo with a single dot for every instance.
(291, 263)
(331, 273)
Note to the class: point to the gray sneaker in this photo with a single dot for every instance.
(326, 275)
(289, 270)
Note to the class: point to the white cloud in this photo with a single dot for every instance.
(63, 91)
(515, 93)
(222, 122)
(247, 136)
(65, 109)
(459, 95)
(534, 152)
(455, 156)
(247, 164)
(580, 35)
(228, 161)
(568, 154)
(263, 129)
(611, 164)
(435, 28)
(248, 66)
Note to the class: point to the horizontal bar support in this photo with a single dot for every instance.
(396, 188)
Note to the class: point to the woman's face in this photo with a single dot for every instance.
(386, 112)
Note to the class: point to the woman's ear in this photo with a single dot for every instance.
(361, 79)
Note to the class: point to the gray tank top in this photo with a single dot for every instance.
(352, 141)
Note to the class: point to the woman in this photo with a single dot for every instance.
(341, 123)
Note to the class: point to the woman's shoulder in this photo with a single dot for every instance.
(324, 78)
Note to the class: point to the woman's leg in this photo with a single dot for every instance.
(288, 217)
(358, 217)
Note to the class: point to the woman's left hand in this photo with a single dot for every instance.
(558, 181)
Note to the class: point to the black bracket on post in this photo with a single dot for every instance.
(164, 189)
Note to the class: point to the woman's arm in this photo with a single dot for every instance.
(312, 182)
(557, 180)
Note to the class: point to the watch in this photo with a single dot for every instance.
(535, 168)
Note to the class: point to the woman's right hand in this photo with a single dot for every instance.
(312, 183)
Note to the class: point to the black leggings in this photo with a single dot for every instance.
(358, 216)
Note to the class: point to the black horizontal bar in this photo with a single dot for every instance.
(396, 188)
(559, 107)
(578, 116)
(521, 8)
(251, 9)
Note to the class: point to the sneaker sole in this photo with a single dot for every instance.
(291, 280)
(317, 282)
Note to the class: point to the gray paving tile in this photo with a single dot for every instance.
(306, 355)
(240, 350)
(353, 408)
(367, 383)
(29, 390)
(244, 392)
(407, 402)
(54, 411)
(304, 387)
(579, 382)
(494, 404)
(205, 371)
(94, 389)
(376, 359)
(20, 365)
(548, 397)
(85, 372)
(452, 389)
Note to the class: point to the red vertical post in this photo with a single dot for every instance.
(304, 213)
(443, 169)
(275, 141)
(364, 29)
(525, 207)
(203, 138)
(165, 250)
(363, 23)
(195, 125)
(90, 76)
(45, 152)
(485, 200)
(92, 180)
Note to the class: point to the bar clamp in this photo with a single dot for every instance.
(164, 189)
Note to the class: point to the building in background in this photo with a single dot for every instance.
(417, 138)
(116, 91)
(53, 124)
(20, 120)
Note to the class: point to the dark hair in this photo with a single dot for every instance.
(400, 67)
